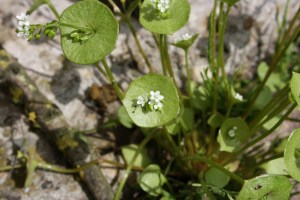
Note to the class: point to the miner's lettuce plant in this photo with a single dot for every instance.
(207, 135)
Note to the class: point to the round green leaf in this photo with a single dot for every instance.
(99, 36)
(233, 133)
(151, 180)
(178, 15)
(292, 155)
(142, 159)
(275, 166)
(152, 118)
(295, 87)
(269, 187)
(124, 118)
(216, 178)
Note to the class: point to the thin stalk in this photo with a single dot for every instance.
(281, 27)
(229, 108)
(219, 167)
(167, 56)
(188, 73)
(286, 41)
(212, 56)
(119, 165)
(130, 165)
(101, 70)
(52, 8)
(112, 80)
(267, 133)
(9, 167)
(162, 56)
(58, 169)
(137, 41)
(203, 184)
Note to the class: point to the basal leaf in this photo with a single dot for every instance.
(144, 117)
(292, 155)
(177, 16)
(269, 187)
(98, 35)
(216, 177)
(142, 159)
(233, 133)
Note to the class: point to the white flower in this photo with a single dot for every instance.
(142, 100)
(232, 132)
(23, 26)
(155, 100)
(238, 97)
(161, 5)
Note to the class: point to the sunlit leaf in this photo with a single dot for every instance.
(292, 155)
(269, 187)
(176, 18)
(275, 166)
(142, 159)
(99, 37)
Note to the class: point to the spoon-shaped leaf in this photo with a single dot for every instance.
(178, 15)
(292, 155)
(269, 187)
(144, 85)
(233, 133)
(98, 35)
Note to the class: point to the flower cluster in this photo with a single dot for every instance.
(162, 5)
(152, 101)
(238, 97)
(23, 26)
(232, 132)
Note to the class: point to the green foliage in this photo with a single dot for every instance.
(124, 118)
(152, 118)
(275, 166)
(151, 180)
(230, 2)
(186, 43)
(233, 133)
(142, 159)
(292, 155)
(216, 178)
(295, 87)
(89, 32)
(176, 18)
(270, 187)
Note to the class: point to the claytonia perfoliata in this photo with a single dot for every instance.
(232, 132)
(238, 97)
(162, 6)
(154, 101)
(23, 26)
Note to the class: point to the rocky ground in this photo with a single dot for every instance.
(251, 32)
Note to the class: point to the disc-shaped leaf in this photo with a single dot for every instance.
(178, 15)
(142, 159)
(98, 34)
(151, 180)
(275, 166)
(269, 187)
(233, 133)
(144, 85)
(292, 155)
(295, 87)
(216, 177)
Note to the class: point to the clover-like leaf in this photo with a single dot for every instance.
(89, 31)
(292, 155)
(142, 115)
(295, 87)
(151, 180)
(142, 159)
(269, 187)
(175, 17)
(233, 133)
(216, 177)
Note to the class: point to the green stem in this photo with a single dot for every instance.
(286, 41)
(188, 73)
(58, 169)
(137, 41)
(112, 80)
(101, 70)
(167, 56)
(162, 56)
(8, 167)
(281, 27)
(203, 184)
(128, 169)
(52, 8)
(267, 133)
(219, 167)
